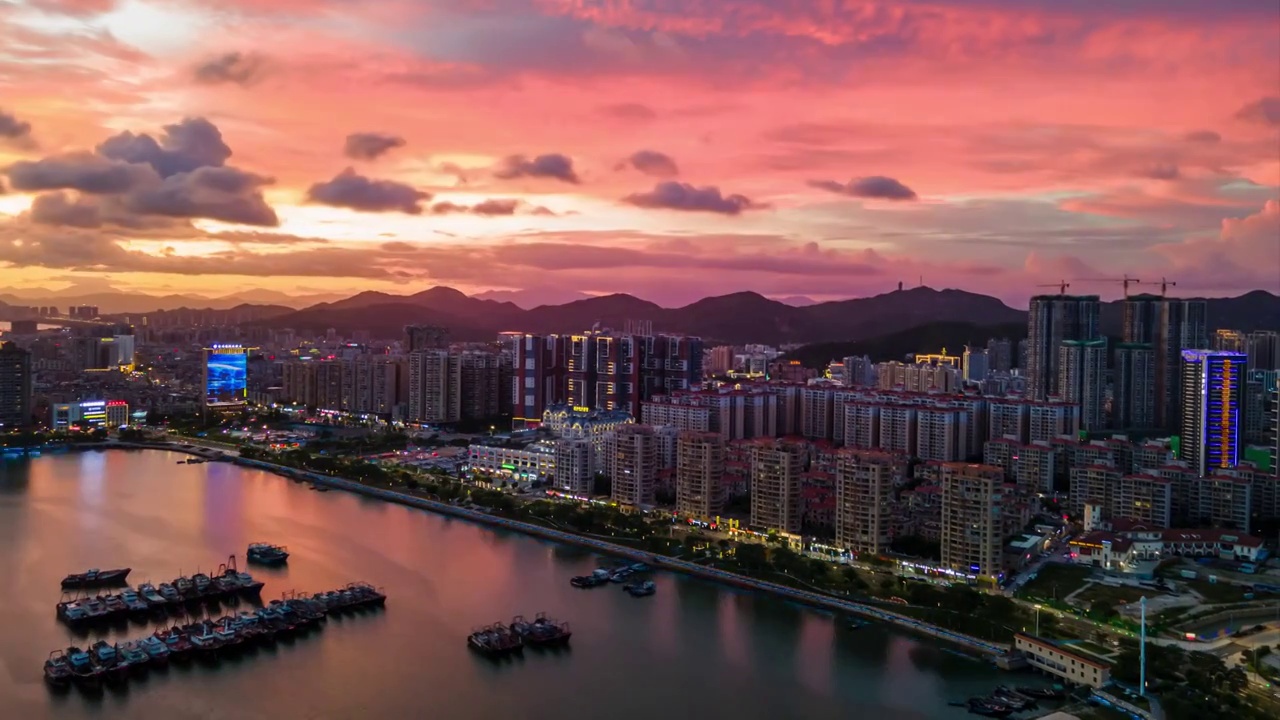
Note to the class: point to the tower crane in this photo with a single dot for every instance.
(1164, 285)
(1126, 281)
(1062, 286)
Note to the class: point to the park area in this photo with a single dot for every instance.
(1055, 581)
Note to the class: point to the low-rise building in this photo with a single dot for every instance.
(1073, 667)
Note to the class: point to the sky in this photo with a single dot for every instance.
(671, 149)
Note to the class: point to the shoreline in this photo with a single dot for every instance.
(975, 646)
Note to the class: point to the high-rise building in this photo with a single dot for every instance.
(574, 472)
(425, 337)
(1275, 432)
(1082, 368)
(539, 367)
(972, 498)
(700, 489)
(375, 384)
(719, 360)
(329, 384)
(859, 371)
(865, 481)
(1169, 325)
(1000, 355)
(631, 461)
(1053, 319)
(1263, 347)
(1259, 389)
(976, 363)
(15, 387)
(484, 385)
(435, 387)
(776, 467)
(1133, 405)
(1211, 393)
(1230, 340)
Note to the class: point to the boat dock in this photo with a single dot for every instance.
(208, 640)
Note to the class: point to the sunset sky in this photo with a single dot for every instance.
(671, 149)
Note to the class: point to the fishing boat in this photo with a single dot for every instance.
(495, 640)
(543, 631)
(57, 669)
(170, 593)
(202, 584)
(155, 648)
(640, 589)
(989, 708)
(134, 602)
(131, 652)
(107, 658)
(180, 646)
(186, 588)
(267, 554)
(95, 578)
(1042, 693)
(151, 596)
(83, 671)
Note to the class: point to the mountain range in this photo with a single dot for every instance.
(743, 317)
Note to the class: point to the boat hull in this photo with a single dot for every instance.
(106, 578)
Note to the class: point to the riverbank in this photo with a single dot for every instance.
(824, 602)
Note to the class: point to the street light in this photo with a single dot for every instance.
(1037, 607)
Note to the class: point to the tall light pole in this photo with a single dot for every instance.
(1142, 651)
(1037, 607)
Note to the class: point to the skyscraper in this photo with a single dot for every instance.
(1263, 347)
(1052, 319)
(15, 387)
(425, 337)
(435, 387)
(1211, 392)
(1133, 405)
(975, 364)
(1169, 325)
(1082, 368)
(971, 518)
(700, 489)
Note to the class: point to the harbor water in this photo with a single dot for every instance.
(692, 649)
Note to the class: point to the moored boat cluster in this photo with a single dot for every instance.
(603, 576)
(148, 599)
(501, 639)
(205, 639)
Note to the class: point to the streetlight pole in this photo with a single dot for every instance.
(1142, 673)
(1037, 620)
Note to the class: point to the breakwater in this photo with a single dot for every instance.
(811, 599)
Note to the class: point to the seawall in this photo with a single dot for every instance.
(810, 599)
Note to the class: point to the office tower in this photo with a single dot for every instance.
(538, 368)
(1211, 392)
(1053, 319)
(1082, 368)
(631, 461)
(700, 490)
(435, 387)
(865, 481)
(975, 364)
(1133, 405)
(574, 472)
(776, 466)
(971, 518)
(1263, 347)
(1000, 355)
(1259, 389)
(425, 337)
(15, 387)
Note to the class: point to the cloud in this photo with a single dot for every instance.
(635, 112)
(215, 193)
(185, 146)
(81, 171)
(1161, 171)
(1264, 110)
(15, 132)
(673, 195)
(60, 208)
(351, 190)
(490, 207)
(76, 8)
(243, 69)
(370, 145)
(874, 187)
(1208, 137)
(652, 162)
(552, 165)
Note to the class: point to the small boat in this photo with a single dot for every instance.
(57, 668)
(132, 653)
(640, 589)
(95, 578)
(155, 648)
(494, 640)
(185, 587)
(203, 584)
(1042, 693)
(267, 554)
(151, 596)
(134, 602)
(83, 671)
(543, 631)
(170, 593)
(989, 708)
(107, 658)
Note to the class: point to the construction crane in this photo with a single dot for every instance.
(1126, 281)
(1164, 285)
(1062, 286)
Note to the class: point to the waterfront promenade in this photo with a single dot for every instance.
(825, 602)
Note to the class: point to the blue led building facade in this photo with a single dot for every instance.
(1212, 391)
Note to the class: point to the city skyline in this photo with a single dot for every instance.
(760, 145)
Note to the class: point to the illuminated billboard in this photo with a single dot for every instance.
(226, 371)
